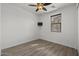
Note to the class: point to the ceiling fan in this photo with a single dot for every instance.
(40, 6)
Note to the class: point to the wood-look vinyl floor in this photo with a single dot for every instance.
(39, 48)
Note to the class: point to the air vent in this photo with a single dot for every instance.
(40, 24)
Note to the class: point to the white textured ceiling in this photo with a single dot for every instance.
(49, 7)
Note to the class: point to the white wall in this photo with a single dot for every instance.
(19, 26)
(0, 29)
(39, 27)
(78, 29)
(68, 35)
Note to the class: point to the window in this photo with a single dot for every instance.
(56, 23)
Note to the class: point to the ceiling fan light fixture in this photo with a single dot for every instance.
(40, 6)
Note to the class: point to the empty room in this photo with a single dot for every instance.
(39, 29)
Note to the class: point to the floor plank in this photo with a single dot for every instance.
(39, 48)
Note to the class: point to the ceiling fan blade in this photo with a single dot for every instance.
(44, 9)
(32, 5)
(36, 10)
(45, 4)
